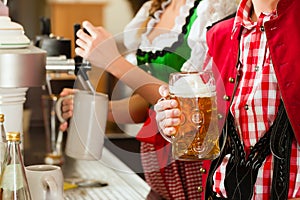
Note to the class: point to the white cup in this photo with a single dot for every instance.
(87, 126)
(45, 182)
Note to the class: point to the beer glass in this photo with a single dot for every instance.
(197, 135)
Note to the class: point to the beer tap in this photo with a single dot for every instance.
(82, 66)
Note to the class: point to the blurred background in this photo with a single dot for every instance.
(62, 15)
(114, 14)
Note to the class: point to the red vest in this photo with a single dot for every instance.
(283, 35)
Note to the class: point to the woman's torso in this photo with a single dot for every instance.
(164, 46)
(179, 28)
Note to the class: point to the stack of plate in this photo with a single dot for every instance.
(12, 34)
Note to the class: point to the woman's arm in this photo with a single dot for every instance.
(100, 49)
(128, 110)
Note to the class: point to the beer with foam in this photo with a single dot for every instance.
(197, 135)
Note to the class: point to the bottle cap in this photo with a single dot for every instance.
(13, 136)
(1, 117)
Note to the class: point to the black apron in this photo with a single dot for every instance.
(241, 173)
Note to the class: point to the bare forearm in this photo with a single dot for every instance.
(100, 49)
(138, 80)
(129, 110)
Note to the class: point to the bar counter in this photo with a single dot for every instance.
(122, 182)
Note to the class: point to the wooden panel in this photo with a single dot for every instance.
(65, 15)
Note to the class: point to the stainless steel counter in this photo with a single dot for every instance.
(122, 182)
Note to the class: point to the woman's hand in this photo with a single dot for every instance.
(167, 112)
(67, 107)
(97, 46)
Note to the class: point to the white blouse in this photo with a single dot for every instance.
(208, 12)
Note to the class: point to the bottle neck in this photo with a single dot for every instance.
(14, 183)
(13, 153)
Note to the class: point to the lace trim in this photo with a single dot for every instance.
(169, 37)
(180, 38)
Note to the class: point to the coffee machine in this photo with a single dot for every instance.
(22, 65)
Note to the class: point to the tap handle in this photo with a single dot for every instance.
(77, 59)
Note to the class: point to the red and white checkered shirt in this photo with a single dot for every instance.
(256, 102)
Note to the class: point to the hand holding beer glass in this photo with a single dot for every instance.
(197, 135)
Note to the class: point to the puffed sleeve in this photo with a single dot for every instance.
(208, 12)
(132, 37)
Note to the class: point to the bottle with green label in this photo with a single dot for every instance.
(13, 184)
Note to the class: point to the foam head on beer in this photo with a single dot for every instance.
(192, 85)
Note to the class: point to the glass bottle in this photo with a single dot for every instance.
(14, 185)
(2, 140)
